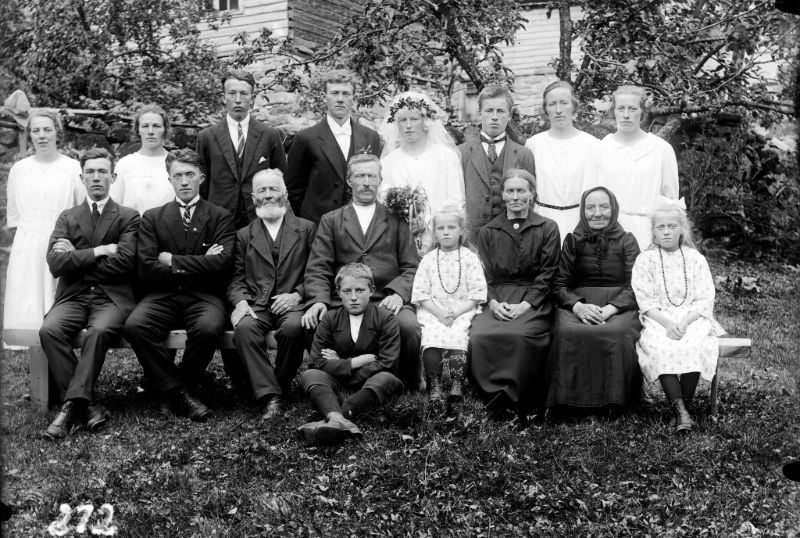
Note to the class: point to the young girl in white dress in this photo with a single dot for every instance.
(675, 293)
(449, 288)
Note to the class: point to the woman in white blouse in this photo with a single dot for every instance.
(142, 180)
(562, 154)
(638, 167)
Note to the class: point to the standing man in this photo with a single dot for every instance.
(318, 158)
(485, 160)
(266, 291)
(232, 150)
(365, 231)
(92, 251)
(185, 254)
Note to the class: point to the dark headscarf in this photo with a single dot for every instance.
(584, 234)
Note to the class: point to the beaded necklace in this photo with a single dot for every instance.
(439, 271)
(664, 277)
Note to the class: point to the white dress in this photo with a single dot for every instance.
(37, 194)
(697, 351)
(561, 166)
(638, 175)
(427, 286)
(142, 182)
(437, 170)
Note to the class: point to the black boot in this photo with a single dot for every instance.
(63, 423)
(194, 408)
(435, 393)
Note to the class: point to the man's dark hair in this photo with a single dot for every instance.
(185, 155)
(360, 158)
(239, 74)
(97, 153)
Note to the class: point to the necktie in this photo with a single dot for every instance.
(240, 142)
(187, 215)
(95, 214)
(492, 148)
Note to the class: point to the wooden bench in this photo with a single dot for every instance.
(40, 387)
(40, 381)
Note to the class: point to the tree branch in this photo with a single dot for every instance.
(564, 40)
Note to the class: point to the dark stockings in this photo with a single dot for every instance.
(679, 387)
(358, 402)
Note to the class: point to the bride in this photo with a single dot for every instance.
(420, 159)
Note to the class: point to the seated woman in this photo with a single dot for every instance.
(592, 361)
(509, 340)
(675, 292)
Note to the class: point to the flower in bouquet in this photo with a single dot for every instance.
(410, 205)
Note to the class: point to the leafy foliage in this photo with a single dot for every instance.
(96, 53)
(692, 55)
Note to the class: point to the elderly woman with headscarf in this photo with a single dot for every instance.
(420, 158)
(592, 360)
(509, 340)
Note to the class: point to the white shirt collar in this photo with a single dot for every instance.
(232, 123)
(501, 135)
(192, 202)
(337, 129)
(101, 204)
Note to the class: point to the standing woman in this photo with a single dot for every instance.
(419, 154)
(562, 155)
(40, 187)
(510, 338)
(639, 167)
(142, 180)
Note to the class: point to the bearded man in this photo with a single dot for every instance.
(266, 291)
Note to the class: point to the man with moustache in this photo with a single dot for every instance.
(266, 291)
(235, 148)
(92, 251)
(184, 256)
(316, 176)
(367, 232)
(485, 160)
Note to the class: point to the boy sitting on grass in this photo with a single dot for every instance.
(356, 348)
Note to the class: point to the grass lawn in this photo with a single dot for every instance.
(418, 473)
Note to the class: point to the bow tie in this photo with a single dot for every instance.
(486, 140)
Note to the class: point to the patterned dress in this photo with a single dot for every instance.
(697, 350)
(465, 284)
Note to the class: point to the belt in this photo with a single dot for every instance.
(559, 207)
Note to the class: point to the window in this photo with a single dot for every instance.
(228, 5)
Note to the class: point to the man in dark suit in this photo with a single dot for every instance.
(485, 160)
(266, 290)
(235, 148)
(184, 256)
(316, 176)
(356, 347)
(92, 251)
(365, 231)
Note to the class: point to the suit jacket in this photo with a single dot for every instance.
(317, 169)
(227, 185)
(477, 177)
(255, 274)
(192, 272)
(379, 334)
(387, 249)
(80, 268)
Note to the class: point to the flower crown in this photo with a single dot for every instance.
(410, 101)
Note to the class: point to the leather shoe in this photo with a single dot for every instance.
(322, 433)
(351, 430)
(167, 407)
(194, 408)
(63, 423)
(273, 408)
(96, 416)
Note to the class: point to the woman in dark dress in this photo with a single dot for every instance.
(509, 340)
(592, 360)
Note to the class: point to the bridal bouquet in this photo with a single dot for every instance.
(411, 205)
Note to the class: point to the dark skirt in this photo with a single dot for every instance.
(511, 356)
(594, 365)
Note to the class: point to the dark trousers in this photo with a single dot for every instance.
(95, 311)
(149, 325)
(410, 368)
(250, 337)
(383, 384)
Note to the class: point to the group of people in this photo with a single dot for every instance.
(397, 260)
